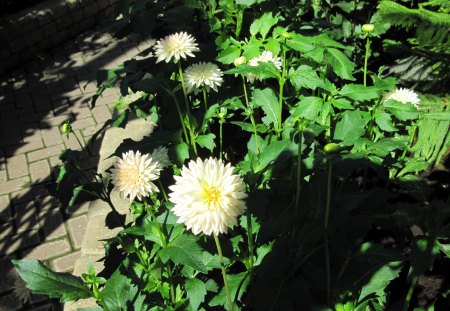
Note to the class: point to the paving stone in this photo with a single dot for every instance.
(47, 203)
(40, 171)
(71, 142)
(26, 217)
(77, 229)
(5, 208)
(49, 250)
(78, 209)
(3, 176)
(6, 230)
(23, 147)
(45, 153)
(55, 161)
(101, 114)
(51, 136)
(29, 194)
(17, 166)
(80, 124)
(14, 184)
(65, 263)
(15, 243)
(52, 224)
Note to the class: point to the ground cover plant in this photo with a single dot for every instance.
(290, 167)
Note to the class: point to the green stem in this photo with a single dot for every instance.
(163, 190)
(244, 85)
(98, 295)
(410, 292)
(410, 142)
(220, 140)
(224, 274)
(280, 98)
(328, 202)
(180, 115)
(328, 270)
(205, 102)
(299, 171)
(183, 86)
(366, 58)
(86, 152)
(250, 237)
(172, 289)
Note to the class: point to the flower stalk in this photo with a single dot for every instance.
(224, 273)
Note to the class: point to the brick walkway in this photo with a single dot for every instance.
(34, 100)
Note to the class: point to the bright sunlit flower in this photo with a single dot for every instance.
(134, 173)
(404, 96)
(208, 197)
(200, 75)
(21, 290)
(160, 155)
(175, 46)
(265, 57)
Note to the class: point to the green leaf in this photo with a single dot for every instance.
(414, 166)
(300, 43)
(251, 49)
(305, 76)
(121, 120)
(380, 279)
(385, 145)
(184, 250)
(342, 103)
(84, 193)
(423, 252)
(384, 121)
(237, 284)
(228, 55)
(342, 66)
(359, 92)
(309, 108)
(440, 116)
(196, 291)
(263, 24)
(206, 141)
(401, 111)
(350, 127)
(271, 153)
(116, 292)
(42, 280)
(267, 100)
(181, 152)
(264, 70)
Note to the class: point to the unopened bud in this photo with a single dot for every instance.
(240, 60)
(331, 148)
(286, 35)
(66, 128)
(368, 28)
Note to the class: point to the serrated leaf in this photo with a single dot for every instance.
(267, 100)
(305, 76)
(263, 24)
(206, 141)
(384, 121)
(264, 70)
(300, 43)
(401, 111)
(228, 55)
(350, 127)
(42, 280)
(116, 292)
(181, 152)
(359, 92)
(342, 66)
(380, 279)
(414, 166)
(196, 291)
(237, 284)
(309, 108)
(184, 250)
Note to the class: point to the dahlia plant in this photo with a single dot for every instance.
(299, 166)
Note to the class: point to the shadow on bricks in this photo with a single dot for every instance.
(35, 99)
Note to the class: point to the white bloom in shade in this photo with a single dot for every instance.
(133, 175)
(160, 156)
(265, 57)
(21, 290)
(175, 46)
(200, 75)
(207, 196)
(404, 96)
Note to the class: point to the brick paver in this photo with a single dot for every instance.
(34, 100)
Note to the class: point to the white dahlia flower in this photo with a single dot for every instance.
(160, 155)
(200, 75)
(134, 173)
(175, 46)
(21, 290)
(208, 197)
(404, 96)
(265, 57)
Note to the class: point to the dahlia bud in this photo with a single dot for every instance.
(240, 60)
(66, 128)
(286, 35)
(368, 28)
(331, 148)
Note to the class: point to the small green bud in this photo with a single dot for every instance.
(240, 60)
(66, 128)
(286, 35)
(331, 148)
(368, 28)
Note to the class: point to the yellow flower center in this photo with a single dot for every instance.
(211, 194)
(132, 176)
